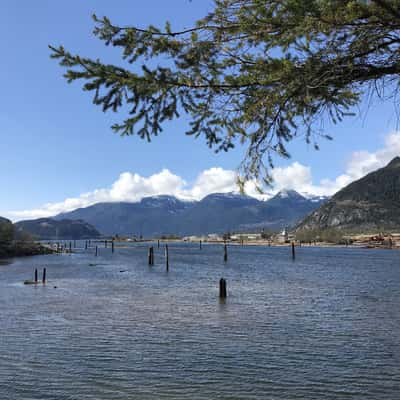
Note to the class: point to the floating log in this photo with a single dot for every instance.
(222, 288)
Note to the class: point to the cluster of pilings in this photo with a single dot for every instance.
(222, 282)
(36, 281)
(106, 242)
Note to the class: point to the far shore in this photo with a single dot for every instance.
(356, 242)
(364, 241)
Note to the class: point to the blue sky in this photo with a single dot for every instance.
(55, 144)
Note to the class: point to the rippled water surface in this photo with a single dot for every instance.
(326, 326)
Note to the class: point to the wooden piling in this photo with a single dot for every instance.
(151, 255)
(293, 251)
(36, 275)
(166, 258)
(200, 245)
(44, 276)
(74, 244)
(96, 252)
(158, 243)
(225, 253)
(86, 246)
(112, 246)
(70, 247)
(222, 288)
(105, 244)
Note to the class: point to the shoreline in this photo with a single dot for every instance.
(23, 249)
(354, 245)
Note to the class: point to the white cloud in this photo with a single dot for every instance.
(132, 187)
(213, 180)
(362, 163)
(296, 176)
(128, 187)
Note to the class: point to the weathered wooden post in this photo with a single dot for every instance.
(112, 246)
(293, 251)
(222, 288)
(96, 252)
(158, 243)
(89, 243)
(151, 255)
(105, 244)
(225, 252)
(44, 276)
(85, 244)
(200, 245)
(166, 257)
(36, 277)
(70, 247)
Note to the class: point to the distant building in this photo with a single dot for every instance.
(193, 238)
(283, 237)
(214, 236)
(246, 236)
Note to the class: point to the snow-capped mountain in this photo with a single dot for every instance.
(217, 212)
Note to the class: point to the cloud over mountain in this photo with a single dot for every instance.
(132, 187)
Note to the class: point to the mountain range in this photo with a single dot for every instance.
(371, 203)
(215, 213)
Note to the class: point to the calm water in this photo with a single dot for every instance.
(324, 327)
